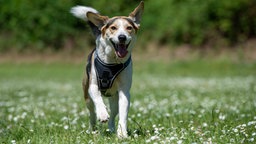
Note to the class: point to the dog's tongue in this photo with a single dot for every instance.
(121, 50)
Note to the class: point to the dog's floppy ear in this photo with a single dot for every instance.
(96, 19)
(137, 13)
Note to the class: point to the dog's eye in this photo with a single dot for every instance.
(113, 28)
(129, 28)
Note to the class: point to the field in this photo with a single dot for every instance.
(197, 101)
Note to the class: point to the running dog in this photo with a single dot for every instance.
(109, 65)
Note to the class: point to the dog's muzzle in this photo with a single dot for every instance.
(121, 47)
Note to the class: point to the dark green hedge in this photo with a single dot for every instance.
(37, 21)
(48, 23)
(200, 21)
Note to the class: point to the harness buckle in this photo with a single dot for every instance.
(104, 83)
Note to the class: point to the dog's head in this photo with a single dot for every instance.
(120, 31)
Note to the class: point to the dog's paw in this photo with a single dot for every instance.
(122, 134)
(102, 116)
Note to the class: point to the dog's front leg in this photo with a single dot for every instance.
(113, 104)
(124, 104)
(100, 107)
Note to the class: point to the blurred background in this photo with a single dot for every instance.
(169, 26)
(194, 69)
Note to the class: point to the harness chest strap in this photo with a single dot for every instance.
(106, 73)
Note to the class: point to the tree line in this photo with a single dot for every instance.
(43, 24)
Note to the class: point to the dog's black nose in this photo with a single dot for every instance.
(122, 38)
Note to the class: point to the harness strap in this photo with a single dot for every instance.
(106, 73)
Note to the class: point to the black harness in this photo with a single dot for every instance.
(106, 73)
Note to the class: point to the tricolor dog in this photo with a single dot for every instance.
(109, 66)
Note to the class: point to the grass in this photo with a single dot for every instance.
(194, 101)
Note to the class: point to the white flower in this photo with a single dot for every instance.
(251, 123)
(251, 139)
(179, 142)
(235, 130)
(16, 119)
(24, 114)
(66, 127)
(83, 125)
(136, 135)
(94, 132)
(222, 117)
(172, 138)
(13, 141)
(64, 118)
(167, 115)
(154, 137)
(205, 124)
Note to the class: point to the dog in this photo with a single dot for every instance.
(109, 65)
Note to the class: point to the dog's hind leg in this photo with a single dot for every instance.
(113, 104)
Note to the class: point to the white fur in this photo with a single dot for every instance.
(121, 31)
(105, 49)
(80, 11)
(120, 90)
(119, 102)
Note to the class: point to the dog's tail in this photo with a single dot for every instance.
(81, 13)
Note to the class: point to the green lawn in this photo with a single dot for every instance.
(194, 101)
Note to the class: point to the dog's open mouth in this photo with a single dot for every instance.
(121, 49)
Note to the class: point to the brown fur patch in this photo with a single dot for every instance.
(86, 81)
(111, 22)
